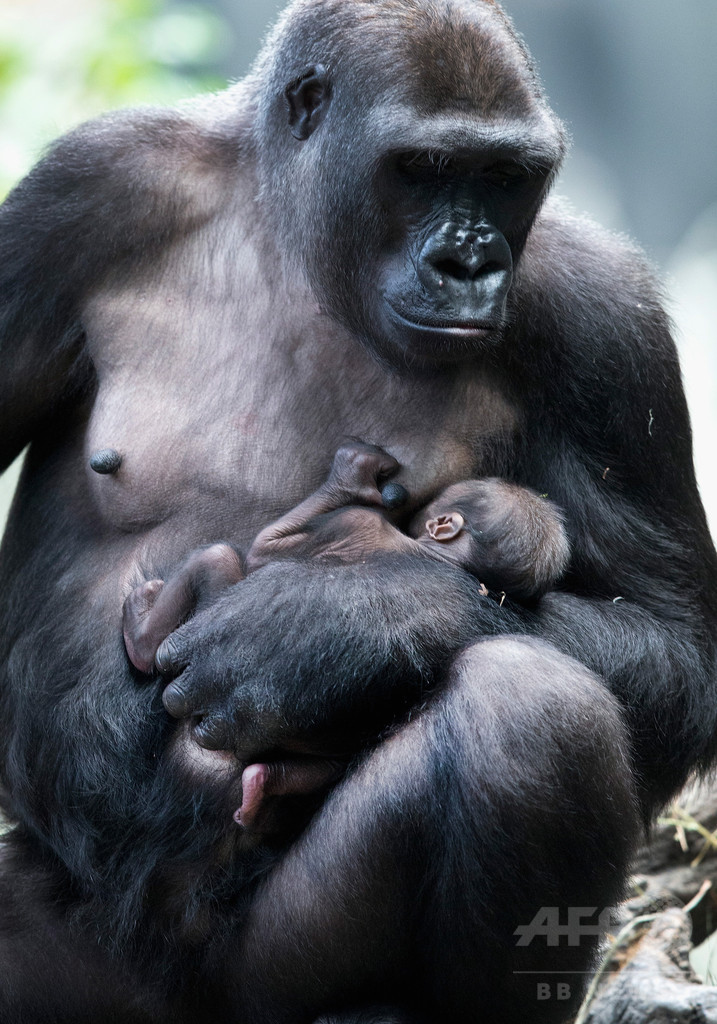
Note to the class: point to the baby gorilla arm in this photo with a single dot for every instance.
(155, 609)
(355, 479)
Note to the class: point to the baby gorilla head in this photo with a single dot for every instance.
(508, 536)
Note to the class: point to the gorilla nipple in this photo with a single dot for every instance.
(393, 495)
(106, 461)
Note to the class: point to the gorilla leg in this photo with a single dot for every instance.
(51, 971)
(510, 792)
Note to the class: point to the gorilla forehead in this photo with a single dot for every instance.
(458, 53)
(464, 55)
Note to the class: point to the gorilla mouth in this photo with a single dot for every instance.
(448, 328)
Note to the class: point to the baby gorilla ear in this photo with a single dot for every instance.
(446, 527)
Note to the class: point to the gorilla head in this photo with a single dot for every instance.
(409, 175)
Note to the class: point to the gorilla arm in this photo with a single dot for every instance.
(110, 193)
(606, 434)
(616, 456)
(108, 196)
(322, 658)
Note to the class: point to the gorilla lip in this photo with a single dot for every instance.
(456, 328)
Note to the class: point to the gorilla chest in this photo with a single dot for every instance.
(238, 421)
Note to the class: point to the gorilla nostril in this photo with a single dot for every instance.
(452, 268)
(471, 270)
(210, 733)
(491, 267)
(175, 701)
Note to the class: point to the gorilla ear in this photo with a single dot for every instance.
(308, 99)
(445, 528)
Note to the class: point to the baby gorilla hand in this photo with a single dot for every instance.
(359, 472)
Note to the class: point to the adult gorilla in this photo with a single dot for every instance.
(200, 305)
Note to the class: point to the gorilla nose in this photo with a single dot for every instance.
(460, 260)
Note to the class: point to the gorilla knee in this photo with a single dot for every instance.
(558, 734)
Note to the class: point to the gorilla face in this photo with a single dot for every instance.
(440, 286)
(412, 180)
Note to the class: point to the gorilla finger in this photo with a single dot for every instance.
(177, 700)
(173, 654)
(210, 732)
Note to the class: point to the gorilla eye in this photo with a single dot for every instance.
(505, 175)
(425, 162)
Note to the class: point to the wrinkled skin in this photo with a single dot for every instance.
(351, 243)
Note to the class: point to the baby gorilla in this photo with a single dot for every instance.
(507, 536)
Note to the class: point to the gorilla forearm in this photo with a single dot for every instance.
(315, 653)
(661, 673)
(315, 650)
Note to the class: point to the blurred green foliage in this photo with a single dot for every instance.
(62, 63)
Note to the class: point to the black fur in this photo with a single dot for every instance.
(207, 292)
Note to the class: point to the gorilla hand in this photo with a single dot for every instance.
(317, 659)
(155, 608)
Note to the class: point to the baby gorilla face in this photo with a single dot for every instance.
(466, 501)
(508, 536)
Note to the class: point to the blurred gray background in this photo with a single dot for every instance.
(636, 83)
